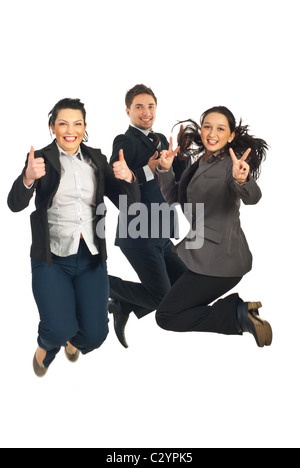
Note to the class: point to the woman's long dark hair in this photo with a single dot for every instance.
(191, 144)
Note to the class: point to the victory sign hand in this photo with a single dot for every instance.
(167, 156)
(241, 169)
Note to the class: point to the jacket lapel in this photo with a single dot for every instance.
(94, 155)
(202, 168)
(194, 171)
(139, 134)
(184, 182)
(207, 166)
(52, 155)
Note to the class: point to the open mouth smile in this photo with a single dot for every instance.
(212, 142)
(70, 139)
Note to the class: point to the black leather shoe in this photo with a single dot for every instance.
(248, 320)
(120, 320)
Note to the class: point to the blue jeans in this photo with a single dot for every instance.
(72, 299)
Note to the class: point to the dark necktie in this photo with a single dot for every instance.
(155, 140)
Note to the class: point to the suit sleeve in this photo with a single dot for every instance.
(19, 197)
(168, 185)
(249, 193)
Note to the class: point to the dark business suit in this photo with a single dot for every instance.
(157, 266)
(224, 257)
(71, 292)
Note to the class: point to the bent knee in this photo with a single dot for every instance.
(163, 320)
(95, 340)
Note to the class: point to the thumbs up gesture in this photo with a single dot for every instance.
(35, 169)
(121, 170)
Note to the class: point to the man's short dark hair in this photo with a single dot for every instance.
(136, 91)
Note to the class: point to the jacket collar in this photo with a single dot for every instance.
(51, 152)
(93, 154)
(206, 165)
(217, 155)
(195, 171)
(139, 134)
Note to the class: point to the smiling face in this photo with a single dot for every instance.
(69, 129)
(215, 133)
(142, 112)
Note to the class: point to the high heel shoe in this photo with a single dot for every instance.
(249, 321)
(253, 308)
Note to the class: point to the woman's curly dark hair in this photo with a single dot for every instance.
(189, 140)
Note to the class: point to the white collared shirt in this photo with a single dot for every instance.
(73, 209)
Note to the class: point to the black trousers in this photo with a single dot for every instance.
(158, 268)
(187, 307)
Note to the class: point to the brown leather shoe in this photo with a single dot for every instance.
(250, 321)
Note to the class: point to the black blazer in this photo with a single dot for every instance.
(138, 149)
(46, 187)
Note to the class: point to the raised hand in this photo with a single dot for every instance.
(153, 161)
(35, 168)
(121, 170)
(240, 170)
(167, 156)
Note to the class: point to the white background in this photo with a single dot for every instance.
(166, 390)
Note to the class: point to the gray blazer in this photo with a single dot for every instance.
(225, 251)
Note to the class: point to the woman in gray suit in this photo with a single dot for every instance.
(225, 172)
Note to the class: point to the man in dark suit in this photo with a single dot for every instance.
(153, 259)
